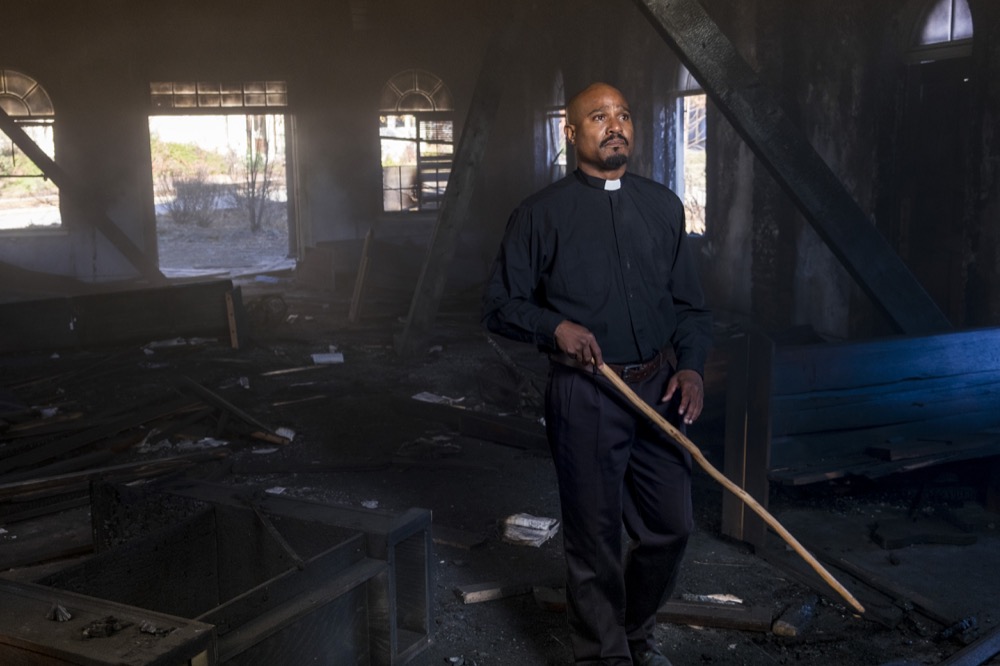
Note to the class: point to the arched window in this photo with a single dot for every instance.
(29, 198)
(691, 183)
(944, 31)
(417, 140)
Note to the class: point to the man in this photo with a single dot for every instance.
(595, 269)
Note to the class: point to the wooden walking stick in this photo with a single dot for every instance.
(699, 457)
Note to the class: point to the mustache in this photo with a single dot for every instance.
(612, 137)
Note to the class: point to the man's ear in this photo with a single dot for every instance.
(570, 132)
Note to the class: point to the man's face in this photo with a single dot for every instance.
(600, 126)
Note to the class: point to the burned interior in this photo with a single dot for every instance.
(248, 410)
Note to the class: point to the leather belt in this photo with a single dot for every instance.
(631, 373)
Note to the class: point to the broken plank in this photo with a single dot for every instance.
(480, 592)
(54, 507)
(903, 532)
(55, 536)
(507, 430)
(919, 448)
(220, 402)
(878, 606)
(550, 599)
(64, 466)
(796, 620)
(63, 483)
(976, 653)
(69, 444)
(895, 590)
(722, 616)
(450, 536)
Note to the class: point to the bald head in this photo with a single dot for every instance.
(584, 100)
(599, 126)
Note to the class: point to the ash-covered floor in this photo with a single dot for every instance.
(358, 438)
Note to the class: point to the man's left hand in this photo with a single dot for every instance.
(692, 394)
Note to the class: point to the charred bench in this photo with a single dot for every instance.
(801, 414)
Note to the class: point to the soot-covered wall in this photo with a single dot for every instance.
(842, 71)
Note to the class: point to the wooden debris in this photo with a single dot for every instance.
(900, 594)
(449, 536)
(75, 442)
(479, 592)
(899, 533)
(977, 653)
(64, 483)
(263, 432)
(723, 616)
(702, 614)
(506, 430)
(550, 599)
(796, 620)
(354, 313)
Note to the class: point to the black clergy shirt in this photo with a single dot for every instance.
(616, 262)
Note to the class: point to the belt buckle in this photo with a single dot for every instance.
(628, 370)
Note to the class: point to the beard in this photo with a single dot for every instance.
(615, 161)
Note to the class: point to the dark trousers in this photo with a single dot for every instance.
(615, 468)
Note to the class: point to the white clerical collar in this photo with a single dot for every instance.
(615, 184)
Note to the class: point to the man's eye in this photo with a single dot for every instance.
(599, 117)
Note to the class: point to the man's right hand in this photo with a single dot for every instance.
(578, 342)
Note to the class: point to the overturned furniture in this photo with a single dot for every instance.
(800, 414)
(279, 580)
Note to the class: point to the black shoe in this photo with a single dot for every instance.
(651, 657)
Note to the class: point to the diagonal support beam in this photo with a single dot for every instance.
(755, 114)
(79, 197)
(458, 195)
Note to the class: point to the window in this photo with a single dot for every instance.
(213, 95)
(555, 141)
(690, 153)
(417, 141)
(27, 198)
(219, 170)
(946, 21)
(945, 31)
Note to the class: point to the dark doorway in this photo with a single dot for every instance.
(935, 156)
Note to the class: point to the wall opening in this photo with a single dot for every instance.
(935, 153)
(690, 152)
(220, 178)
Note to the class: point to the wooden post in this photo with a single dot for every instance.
(359, 284)
(95, 214)
(455, 208)
(748, 436)
(755, 114)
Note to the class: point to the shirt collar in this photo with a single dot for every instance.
(599, 183)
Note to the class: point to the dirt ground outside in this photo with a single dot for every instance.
(227, 245)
